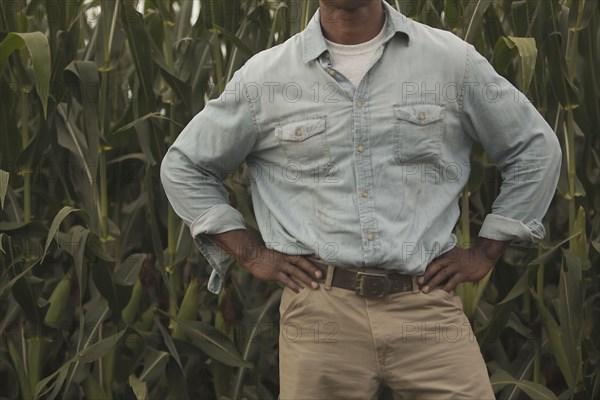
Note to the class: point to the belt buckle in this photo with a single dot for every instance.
(372, 284)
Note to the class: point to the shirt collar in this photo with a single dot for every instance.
(314, 42)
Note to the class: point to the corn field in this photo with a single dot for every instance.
(102, 290)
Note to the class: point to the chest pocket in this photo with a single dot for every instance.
(304, 143)
(418, 136)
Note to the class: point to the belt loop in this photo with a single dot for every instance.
(329, 277)
(416, 288)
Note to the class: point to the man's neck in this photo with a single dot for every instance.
(351, 24)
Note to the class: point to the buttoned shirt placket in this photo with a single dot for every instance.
(361, 124)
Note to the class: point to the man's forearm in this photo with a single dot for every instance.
(489, 249)
(238, 243)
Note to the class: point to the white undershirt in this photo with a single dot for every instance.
(354, 60)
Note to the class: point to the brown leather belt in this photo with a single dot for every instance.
(367, 283)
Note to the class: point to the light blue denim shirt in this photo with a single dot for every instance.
(365, 176)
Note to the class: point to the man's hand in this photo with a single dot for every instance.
(266, 264)
(460, 265)
(271, 265)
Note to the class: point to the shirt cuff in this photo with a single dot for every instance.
(218, 219)
(497, 227)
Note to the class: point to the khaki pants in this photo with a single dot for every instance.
(334, 344)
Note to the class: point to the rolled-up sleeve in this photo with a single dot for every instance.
(519, 142)
(208, 149)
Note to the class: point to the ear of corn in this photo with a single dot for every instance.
(129, 312)
(146, 320)
(188, 309)
(59, 301)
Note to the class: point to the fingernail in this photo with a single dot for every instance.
(425, 289)
(318, 274)
(314, 285)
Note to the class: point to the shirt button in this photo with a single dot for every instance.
(422, 116)
(365, 194)
(332, 72)
(298, 132)
(370, 237)
(360, 104)
(360, 148)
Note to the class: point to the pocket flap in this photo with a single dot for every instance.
(300, 130)
(420, 114)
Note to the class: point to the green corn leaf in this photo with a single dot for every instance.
(98, 310)
(476, 18)
(89, 354)
(116, 294)
(569, 307)
(39, 50)
(272, 302)
(559, 78)
(11, 386)
(169, 343)
(26, 291)
(143, 129)
(579, 245)
(99, 349)
(19, 366)
(93, 389)
(83, 75)
(581, 13)
(4, 177)
(58, 219)
(524, 281)
(544, 257)
(233, 39)
(140, 388)
(522, 284)
(80, 237)
(177, 381)
(126, 273)
(556, 340)
(509, 47)
(5, 289)
(139, 46)
(155, 115)
(155, 363)
(501, 379)
(212, 342)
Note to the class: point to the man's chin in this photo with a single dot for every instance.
(349, 5)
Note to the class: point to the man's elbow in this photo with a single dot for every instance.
(552, 155)
(166, 166)
(554, 152)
